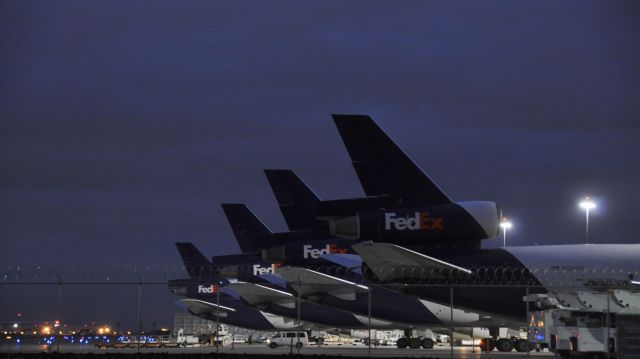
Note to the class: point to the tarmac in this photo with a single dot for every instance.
(439, 352)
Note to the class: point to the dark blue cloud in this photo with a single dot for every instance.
(124, 125)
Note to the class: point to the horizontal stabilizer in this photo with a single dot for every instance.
(256, 294)
(392, 262)
(306, 281)
(205, 309)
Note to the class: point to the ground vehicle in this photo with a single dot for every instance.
(150, 341)
(586, 333)
(297, 339)
(239, 339)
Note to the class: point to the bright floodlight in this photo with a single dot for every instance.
(587, 203)
(505, 224)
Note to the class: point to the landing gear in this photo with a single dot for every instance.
(487, 344)
(504, 345)
(415, 343)
(427, 343)
(522, 345)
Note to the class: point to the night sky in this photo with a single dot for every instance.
(124, 125)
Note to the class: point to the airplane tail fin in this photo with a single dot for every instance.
(296, 200)
(382, 167)
(247, 228)
(196, 264)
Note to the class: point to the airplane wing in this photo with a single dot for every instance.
(382, 167)
(255, 294)
(391, 262)
(306, 281)
(205, 309)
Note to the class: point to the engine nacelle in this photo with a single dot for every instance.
(453, 221)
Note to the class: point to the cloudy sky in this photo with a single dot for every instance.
(124, 125)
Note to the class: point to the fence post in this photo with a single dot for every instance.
(451, 318)
(139, 310)
(233, 338)
(58, 315)
(606, 345)
(369, 313)
(218, 318)
(527, 319)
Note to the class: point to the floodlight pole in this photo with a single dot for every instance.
(587, 205)
(587, 224)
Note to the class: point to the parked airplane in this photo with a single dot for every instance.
(333, 292)
(416, 210)
(381, 165)
(384, 170)
(200, 296)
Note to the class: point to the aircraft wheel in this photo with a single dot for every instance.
(504, 345)
(402, 343)
(415, 343)
(273, 345)
(487, 344)
(427, 343)
(522, 345)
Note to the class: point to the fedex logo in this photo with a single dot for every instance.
(419, 221)
(258, 270)
(210, 289)
(309, 252)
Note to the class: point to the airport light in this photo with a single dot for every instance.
(505, 224)
(587, 204)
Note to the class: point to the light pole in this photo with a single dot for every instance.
(505, 224)
(587, 204)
